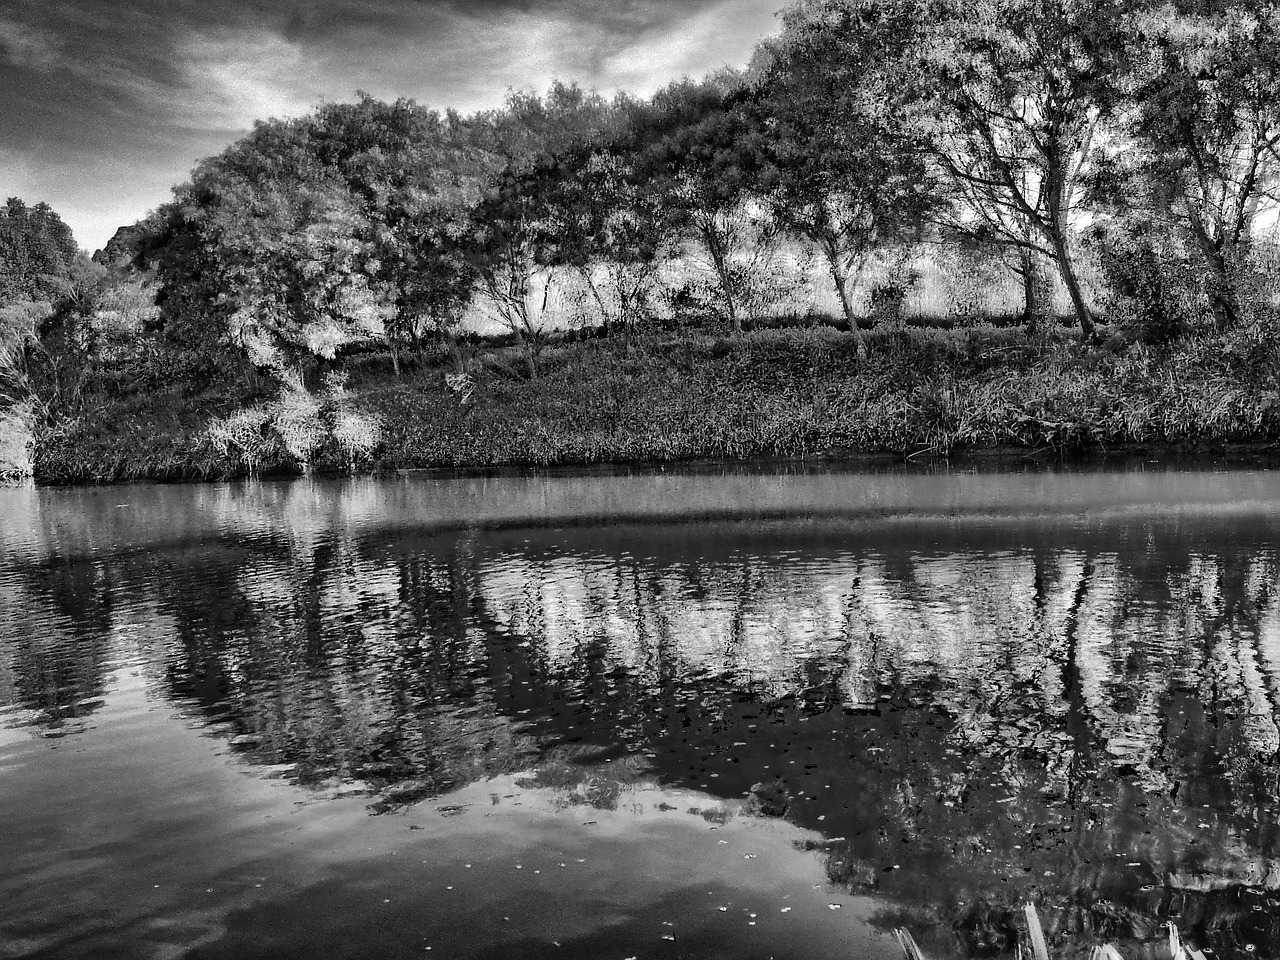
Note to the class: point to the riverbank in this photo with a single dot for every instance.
(794, 394)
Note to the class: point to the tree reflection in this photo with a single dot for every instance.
(974, 716)
(55, 633)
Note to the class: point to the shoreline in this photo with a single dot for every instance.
(1231, 455)
(794, 397)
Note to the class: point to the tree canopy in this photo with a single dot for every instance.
(38, 254)
(866, 131)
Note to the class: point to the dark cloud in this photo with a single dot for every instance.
(108, 103)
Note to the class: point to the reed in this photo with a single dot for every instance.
(1038, 947)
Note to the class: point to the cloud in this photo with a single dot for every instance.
(728, 28)
(110, 102)
(231, 79)
(28, 46)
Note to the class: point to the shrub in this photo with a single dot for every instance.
(17, 441)
(356, 434)
(245, 435)
(1154, 287)
(296, 419)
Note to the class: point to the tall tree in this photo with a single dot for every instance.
(1009, 96)
(842, 170)
(37, 253)
(1199, 104)
(270, 242)
(609, 228)
(506, 247)
(412, 174)
(698, 152)
(312, 233)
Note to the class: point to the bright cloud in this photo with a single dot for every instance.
(109, 103)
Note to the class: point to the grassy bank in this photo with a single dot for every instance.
(669, 397)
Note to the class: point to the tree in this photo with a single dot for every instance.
(37, 253)
(607, 227)
(314, 233)
(260, 250)
(48, 293)
(1008, 98)
(509, 239)
(1199, 102)
(411, 174)
(841, 170)
(696, 150)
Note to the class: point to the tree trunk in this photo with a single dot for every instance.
(1222, 301)
(529, 348)
(1037, 295)
(1069, 280)
(841, 280)
(606, 322)
(719, 260)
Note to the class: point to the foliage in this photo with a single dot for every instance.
(764, 393)
(510, 247)
(1152, 279)
(1257, 284)
(696, 149)
(297, 428)
(19, 323)
(608, 229)
(1198, 101)
(313, 234)
(245, 434)
(295, 417)
(356, 433)
(412, 174)
(17, 442)
(278, 247)
(1008, 99)
(841, 169)
(37, 253)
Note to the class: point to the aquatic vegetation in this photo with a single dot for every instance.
(1037, 945)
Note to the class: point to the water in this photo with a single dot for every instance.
(693, 714)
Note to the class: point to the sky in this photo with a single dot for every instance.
(105, 105)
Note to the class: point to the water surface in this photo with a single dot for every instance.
(684, 714)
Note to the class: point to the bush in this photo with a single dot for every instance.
(1155, 288)
(17, 441)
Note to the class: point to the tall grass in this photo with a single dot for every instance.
(17, 442)
(296, 430)
(792, 393)
(805, 394)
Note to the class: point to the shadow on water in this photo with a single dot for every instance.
(1052, 688)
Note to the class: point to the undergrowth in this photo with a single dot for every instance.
(800, 392)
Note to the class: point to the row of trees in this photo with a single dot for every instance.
(44, 279)
(1036, 132)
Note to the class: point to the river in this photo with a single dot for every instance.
(689, 713)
